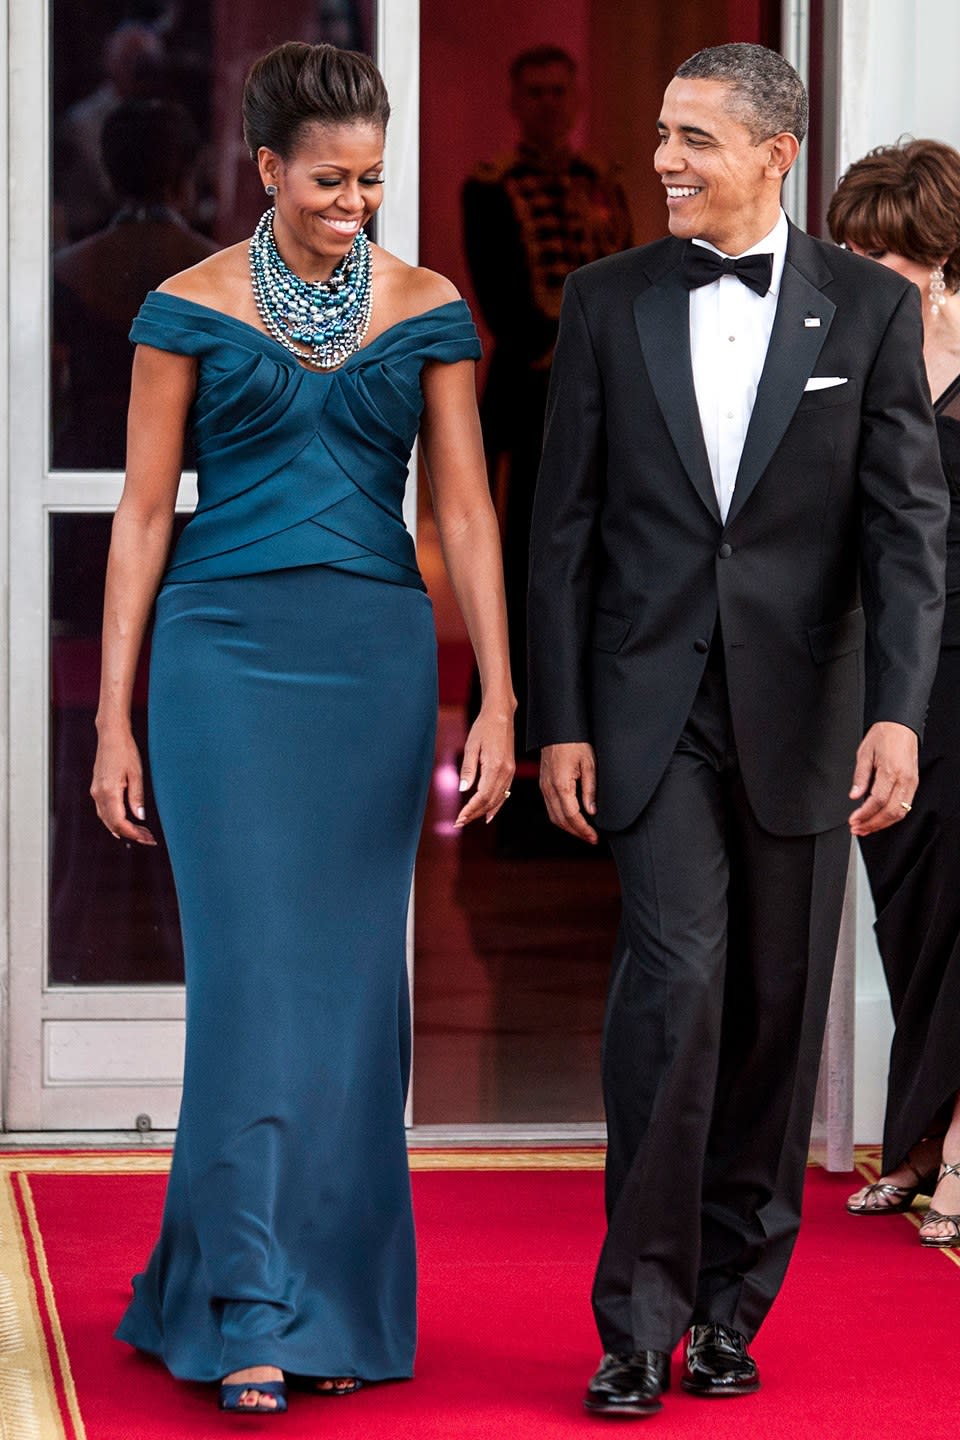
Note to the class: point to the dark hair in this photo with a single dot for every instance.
(540, 55)
(148, 146)
(904, 198)
(297, 85)
(767, 93)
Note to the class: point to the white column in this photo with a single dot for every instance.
(898, 73)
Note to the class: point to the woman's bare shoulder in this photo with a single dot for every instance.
(411, 288)
(218, 281)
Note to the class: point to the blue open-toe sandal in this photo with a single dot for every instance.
(230, 1397)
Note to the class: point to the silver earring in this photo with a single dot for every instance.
(271, 190)
(938, 290)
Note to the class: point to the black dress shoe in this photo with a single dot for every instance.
(718, 1362)
(629, 1384)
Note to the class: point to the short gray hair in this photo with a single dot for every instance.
(767, 93)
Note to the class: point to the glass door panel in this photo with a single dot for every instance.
(146, 173)
(113, 911)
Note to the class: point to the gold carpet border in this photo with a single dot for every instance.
(544, 1157)
(29, 1409)
(585, 1158)
(157, 1162)
(53, 1315)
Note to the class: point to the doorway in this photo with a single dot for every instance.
(515, 925)
(96, 1005)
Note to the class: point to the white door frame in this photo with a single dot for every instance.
(73, 1060)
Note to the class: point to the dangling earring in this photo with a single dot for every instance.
(271, 190)
(938, 290)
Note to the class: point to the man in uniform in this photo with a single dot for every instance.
(529, 220)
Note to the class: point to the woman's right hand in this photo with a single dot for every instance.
(118, 786)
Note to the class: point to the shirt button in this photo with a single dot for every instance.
(729, 414)
(731, 338)
(725, 551)
(701, 647)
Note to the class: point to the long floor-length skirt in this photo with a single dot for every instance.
(914, 870)
(292, 719)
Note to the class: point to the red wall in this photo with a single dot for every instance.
(465, 50)
(627, 53)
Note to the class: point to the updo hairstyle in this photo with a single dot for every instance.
(297, 85)
(904, 198)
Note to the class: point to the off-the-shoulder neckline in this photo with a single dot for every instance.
(275, 345)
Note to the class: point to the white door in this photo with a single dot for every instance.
(95, 1000)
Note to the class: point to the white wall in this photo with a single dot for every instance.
(898, 67)
(897, 77)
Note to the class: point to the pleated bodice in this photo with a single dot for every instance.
(294, 466)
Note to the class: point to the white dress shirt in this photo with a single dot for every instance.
(730, 329)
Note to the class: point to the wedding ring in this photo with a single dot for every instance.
(506, 794)
(905, 806)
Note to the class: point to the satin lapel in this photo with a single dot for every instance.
(662, 315)
(792, 354)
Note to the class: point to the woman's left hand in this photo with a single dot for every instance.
(488, 762)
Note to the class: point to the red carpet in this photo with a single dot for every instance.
(860, 1343)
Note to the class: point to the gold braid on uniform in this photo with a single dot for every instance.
(567, 217)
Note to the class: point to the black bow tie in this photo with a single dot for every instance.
(701, 266)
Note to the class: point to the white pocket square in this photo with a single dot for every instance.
(825, 382)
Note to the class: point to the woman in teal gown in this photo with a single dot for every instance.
(292, 712)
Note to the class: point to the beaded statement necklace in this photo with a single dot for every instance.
(321, 322)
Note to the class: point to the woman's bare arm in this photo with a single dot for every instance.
(161, 393)
(469, 538)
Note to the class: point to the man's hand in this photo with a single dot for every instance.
(885, 777)
(562, 769)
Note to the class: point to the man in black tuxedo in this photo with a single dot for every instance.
(735, 603)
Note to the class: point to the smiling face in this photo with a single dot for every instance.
(327, 189)
(721, 186)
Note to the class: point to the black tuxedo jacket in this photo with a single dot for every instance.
(827, 577)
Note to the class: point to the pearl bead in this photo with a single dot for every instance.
(330, 317)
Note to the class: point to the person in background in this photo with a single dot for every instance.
(736, 594)
(149, 149)
(293, 698)
(900, 206)
(529, 219)
(133, 59)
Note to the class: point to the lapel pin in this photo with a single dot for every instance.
(811, 322)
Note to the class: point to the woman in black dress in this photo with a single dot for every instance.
(900, 205)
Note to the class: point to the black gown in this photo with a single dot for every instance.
(914, 872)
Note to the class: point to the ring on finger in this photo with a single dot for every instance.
(905, 807)
(506, 794)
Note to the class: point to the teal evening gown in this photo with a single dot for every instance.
(293, 695)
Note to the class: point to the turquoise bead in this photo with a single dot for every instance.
(329, 317)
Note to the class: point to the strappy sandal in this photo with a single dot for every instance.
(934, 1217)
(230, 1397)
(901, 1197)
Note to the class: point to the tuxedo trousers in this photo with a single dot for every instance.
(712, 1040)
